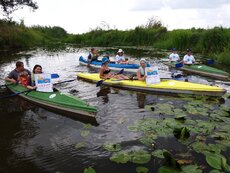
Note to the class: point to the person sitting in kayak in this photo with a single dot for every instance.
(14, 74)
(24, 80)
(105, 71)
(174, 57)
(141, 71)
(36, 70)
(120, 58)
(93, 55)
(189, 58)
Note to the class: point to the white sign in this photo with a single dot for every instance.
(43, 82)
(152, 75)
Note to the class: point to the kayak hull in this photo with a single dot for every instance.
(58, 102)
(164, 87)
(203, 70)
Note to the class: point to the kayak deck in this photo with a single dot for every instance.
(58, 102)
(203, 70)
(165, 86)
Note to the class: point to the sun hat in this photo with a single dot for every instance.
(142, 59)
(120, 51)
(104, 60)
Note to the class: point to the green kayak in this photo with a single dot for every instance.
(58, 102)
(202, 70)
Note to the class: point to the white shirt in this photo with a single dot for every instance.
(174, 57)
(119, 58)
(189, 59)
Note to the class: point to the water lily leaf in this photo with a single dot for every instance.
(140, 157)
(147, 141)
(112, 147)
(80, 145)
(216, 161)
(89, 170)
(133, 128)
(120, 157)
(87, 126)
(84, 133)
(214, 171)
(181, 133)
(142, 170)
(163, 108)
(225, 108)
(179, 114)
(183, 161)
(191, 169)
(159, 153)
(167, 169)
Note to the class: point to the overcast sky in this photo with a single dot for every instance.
(80, 16)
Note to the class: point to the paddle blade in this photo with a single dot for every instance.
(121, 71)
(178, 65)
(210, 61)
(54, 76)
(99, 83)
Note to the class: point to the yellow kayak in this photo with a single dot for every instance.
(165, 86)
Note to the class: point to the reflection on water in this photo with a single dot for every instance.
(34, 139)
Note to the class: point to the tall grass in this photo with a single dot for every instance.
(210, 42)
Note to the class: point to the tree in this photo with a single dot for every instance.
(9, 6)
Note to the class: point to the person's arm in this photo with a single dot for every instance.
(139, 77)
(10, 78)
(31, 87)
(101, 75)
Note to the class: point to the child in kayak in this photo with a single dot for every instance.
(105, 71)
(24, 80)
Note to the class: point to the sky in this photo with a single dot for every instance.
(81, 16)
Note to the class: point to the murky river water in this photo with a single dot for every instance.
(33, 139)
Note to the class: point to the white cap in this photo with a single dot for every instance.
(120, 50)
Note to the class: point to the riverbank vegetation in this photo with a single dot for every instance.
(213, 42)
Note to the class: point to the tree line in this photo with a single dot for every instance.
(213, 42)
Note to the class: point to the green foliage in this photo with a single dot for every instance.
(17, 36)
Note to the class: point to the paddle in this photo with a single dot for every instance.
(64, 81)
(15, 94)
(101, 81)
(54, 76)
(179, 64)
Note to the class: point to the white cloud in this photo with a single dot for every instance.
(77, 16)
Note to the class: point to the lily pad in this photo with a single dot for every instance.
(80, 145)
(89, 170)
(142, 170)
(217, 161)
(84, 133)
(140, 157)
(159, 153)
(181, 133)
(112, 147)
(191, 169)
(120, 157)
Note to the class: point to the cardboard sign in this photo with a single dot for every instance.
(43, 82)
(152, 75)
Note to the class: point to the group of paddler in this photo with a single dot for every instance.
(105, 71)
(23, 76)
